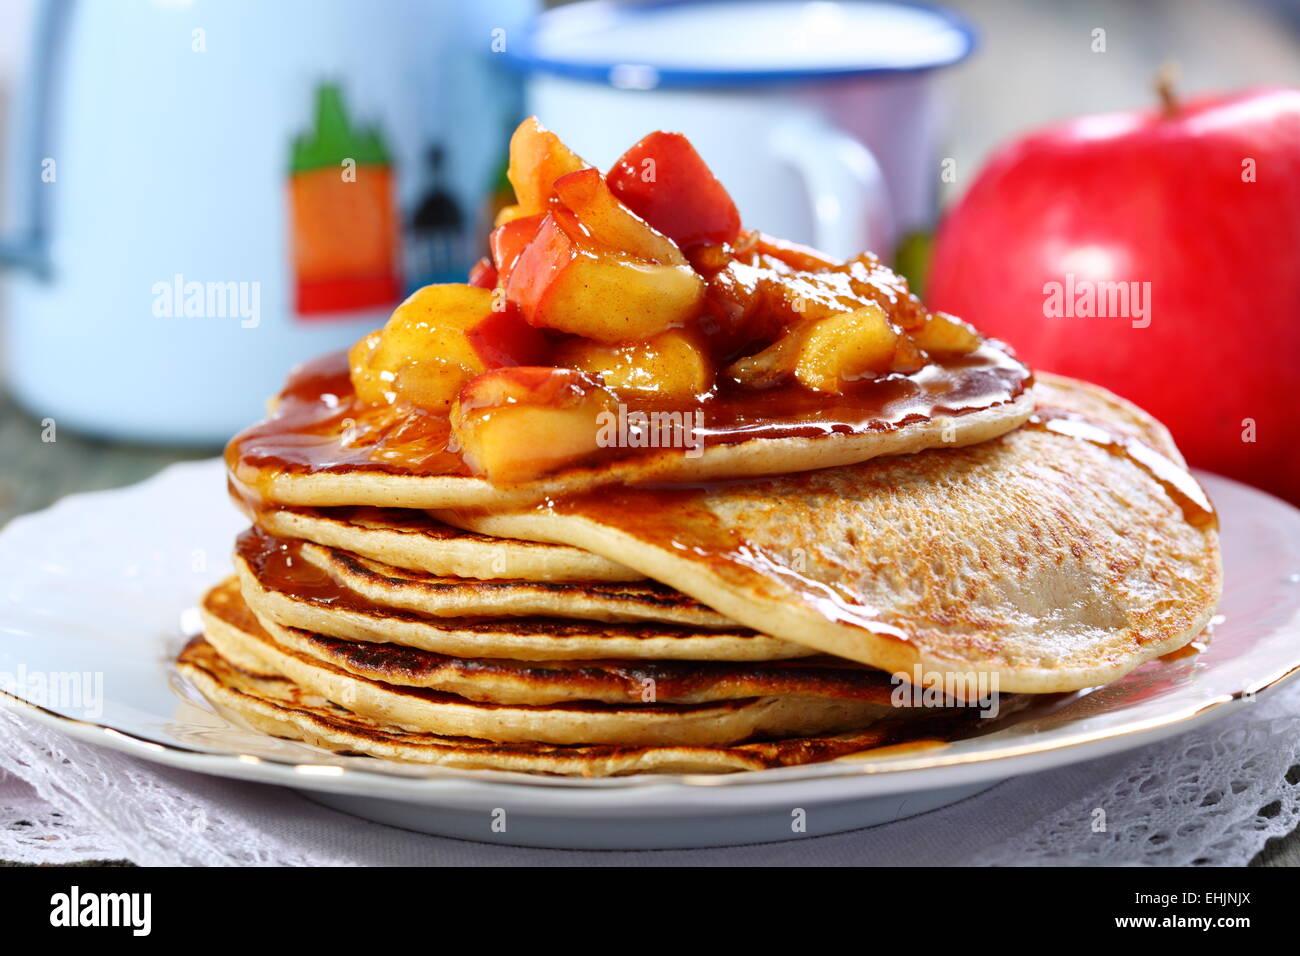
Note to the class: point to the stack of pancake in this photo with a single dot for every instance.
(741, 625)
(767, 508)
(389, 633)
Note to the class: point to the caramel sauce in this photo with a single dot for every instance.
(1198, 646)
(278, 565)
(1176, 480)
(678, 518)
(1186, 651)
(318, 425)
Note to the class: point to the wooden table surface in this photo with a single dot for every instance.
(1035, 64)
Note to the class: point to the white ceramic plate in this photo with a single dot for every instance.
(100, 588)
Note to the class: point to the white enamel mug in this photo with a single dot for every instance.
(819, 117)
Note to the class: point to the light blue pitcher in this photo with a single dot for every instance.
(203, 193)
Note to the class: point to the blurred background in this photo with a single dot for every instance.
(198, 194)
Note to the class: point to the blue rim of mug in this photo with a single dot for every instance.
(651, 76)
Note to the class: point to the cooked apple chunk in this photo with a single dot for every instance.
(775, 364)
(666, 182)
(537, 159)
(671, 365)
(563, 281)
(944, 334)
(422, 355)
(589, 198)
(436, 341)
(508, 240)
(517, 424)
(908, 357)
(847, 347)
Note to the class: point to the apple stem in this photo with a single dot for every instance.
(1165, 78)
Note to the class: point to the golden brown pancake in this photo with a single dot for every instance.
(609, 681)
(520, 638)
(1057, 557)
(231, 628)
(467, 597)
(412, 539)
(305, 455)
(277, 706)
(335, 577)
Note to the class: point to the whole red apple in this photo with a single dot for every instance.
(1156, 253)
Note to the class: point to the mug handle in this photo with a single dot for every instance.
(850, 203)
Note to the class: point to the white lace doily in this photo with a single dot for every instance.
(1210, 797)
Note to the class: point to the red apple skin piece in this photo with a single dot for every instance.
(1150, 197)
(542, 258)
(683, 199)
(483, 275)
(508, 240)
(503, 338)
(586, 194)
(565, 281)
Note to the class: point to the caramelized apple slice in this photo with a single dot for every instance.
(483, 274)
(517, 424)
(422, 355)
(562, 281)
(671, 365)
(508, 214)
(845, 348)
(783, 284)
(872, 281)
(666, 182)
(944, 334)
(537, 160)
(773, 365)
(435, 341)
(588, 197)
(372, 382)
(908, 357)
(503, 338)
(794, 254)
(508, 240)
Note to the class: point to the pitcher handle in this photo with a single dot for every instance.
(850, 205)
(28, 244)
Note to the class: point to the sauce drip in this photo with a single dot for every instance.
(1187, 650)
(1177, 482)
(278, 565)
(318, 425)
(678, 518)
